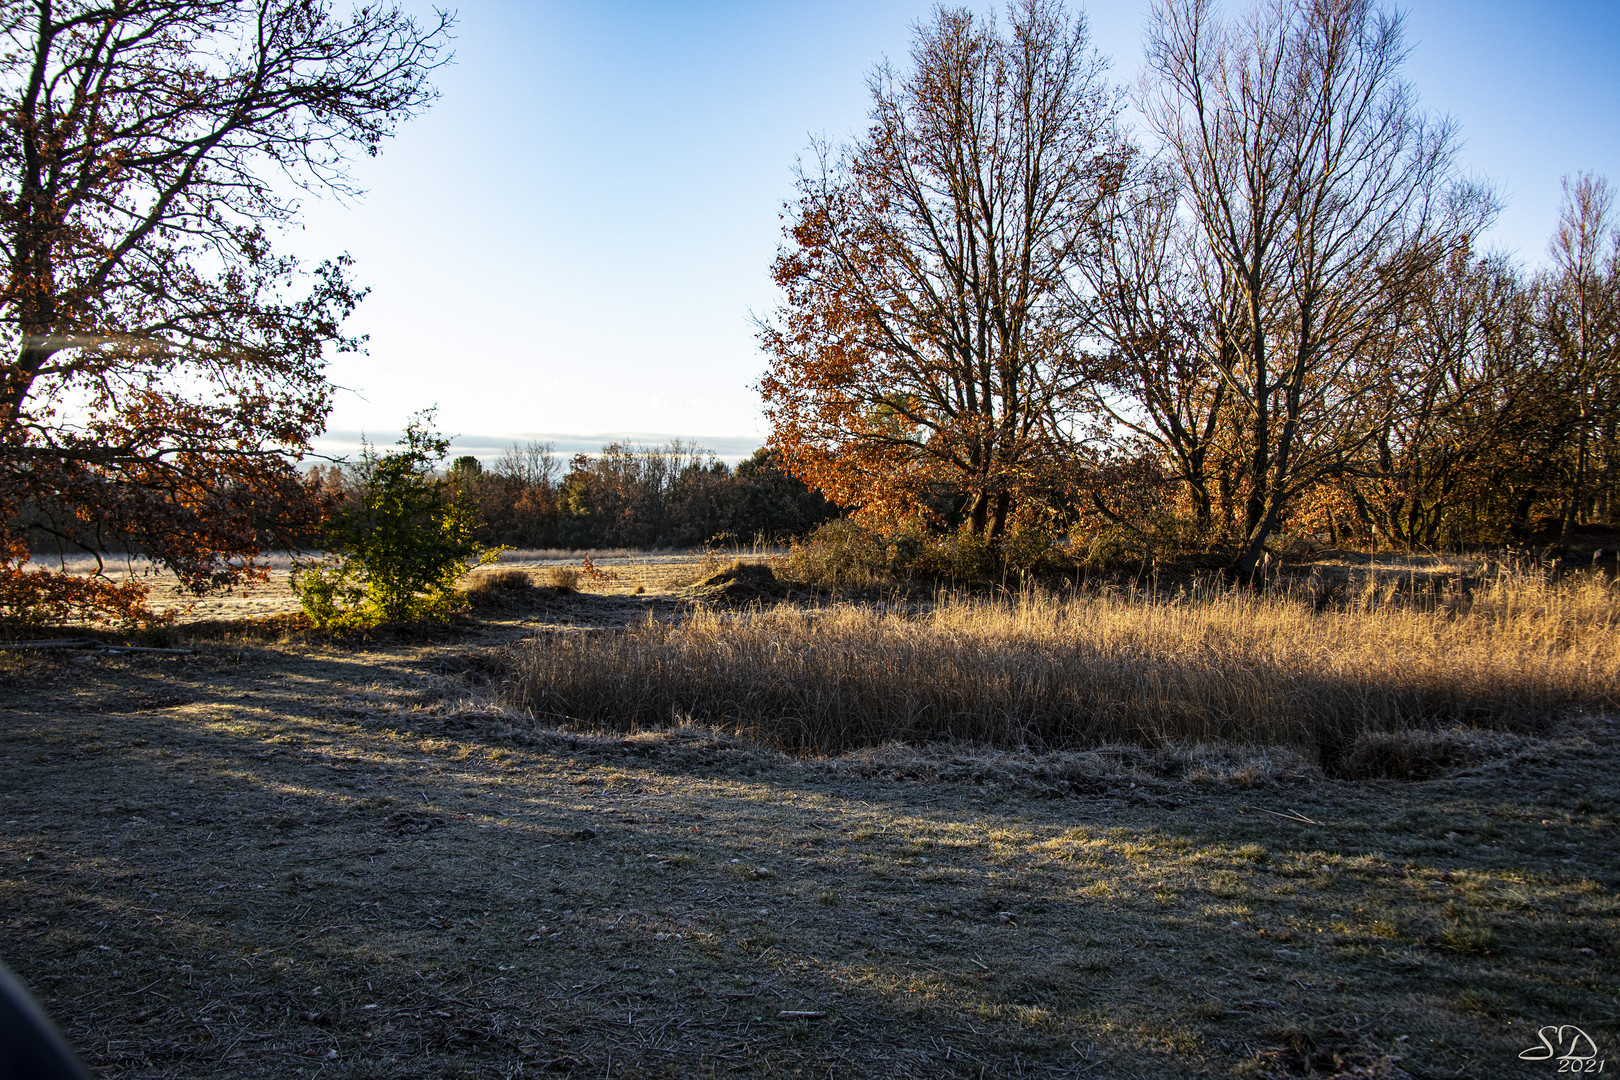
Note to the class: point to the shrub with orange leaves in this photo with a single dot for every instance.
(41, 597)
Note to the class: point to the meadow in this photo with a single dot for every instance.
(1341, 674)
(673, 822)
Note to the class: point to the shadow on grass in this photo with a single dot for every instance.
(308, 869)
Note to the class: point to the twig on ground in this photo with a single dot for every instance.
(1294, 816)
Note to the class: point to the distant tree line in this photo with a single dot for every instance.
(1264, 312)
(673, 496)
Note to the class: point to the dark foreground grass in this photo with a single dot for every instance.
(305, 862)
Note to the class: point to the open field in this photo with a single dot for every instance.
(307, 859)
(623, 572)
(1340, 683)
(668, 572)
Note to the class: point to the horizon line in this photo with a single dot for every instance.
(728, 448)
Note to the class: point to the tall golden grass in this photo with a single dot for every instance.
(1210, 664)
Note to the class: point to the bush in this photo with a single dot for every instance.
(845, 552)
(1034, 552)
(1158, 536)
(400, 546)
(959, 557)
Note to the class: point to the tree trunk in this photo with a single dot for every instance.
(1247, 568)
(979, 514)
(998, 522)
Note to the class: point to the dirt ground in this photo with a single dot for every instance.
(297, 859)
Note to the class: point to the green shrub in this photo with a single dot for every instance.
(963, 558)
(399, 548)
(1113, 547)
(841, 552)
(1034, 551)
(1155, 537)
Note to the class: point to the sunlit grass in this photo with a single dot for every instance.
(1208, 665)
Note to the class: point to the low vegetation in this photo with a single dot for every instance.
(1325, 669)
(398, 548)
(305, 859)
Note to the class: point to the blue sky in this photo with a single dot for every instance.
(569, 244)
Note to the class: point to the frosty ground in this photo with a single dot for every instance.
(293, 857)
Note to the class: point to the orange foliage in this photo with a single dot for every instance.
(926, 347)
(40, 597)
(169, 367)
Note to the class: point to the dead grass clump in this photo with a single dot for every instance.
(497, 587)
(1069, 772)
(498, 580)
(1211, 667)
(561, 578)
(1416, 754)
(739, 583)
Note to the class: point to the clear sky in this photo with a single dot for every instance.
(571, 242)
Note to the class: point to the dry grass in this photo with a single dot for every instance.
(560, 577)
(488, 582)
(344, 861)
(1209, 665)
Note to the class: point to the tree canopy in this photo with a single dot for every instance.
(1263, 310)
(925, 344)
(164, 363)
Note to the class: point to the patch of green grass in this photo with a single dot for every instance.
(1468, 940)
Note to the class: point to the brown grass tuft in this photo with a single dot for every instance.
(493, 590)
(561, 578)
(498, 581)
(1209, 666)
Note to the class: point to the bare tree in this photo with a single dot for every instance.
(1157, 373)
(1581, 322)
(1459, 399)
(532, 464)
(924, 341)
(1315, 186)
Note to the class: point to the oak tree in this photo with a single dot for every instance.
(164, 364)
(924, 344)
